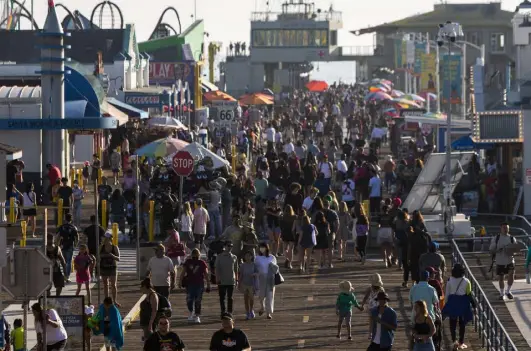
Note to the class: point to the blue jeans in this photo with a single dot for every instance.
(68, 255)
(214, 227)
(77, 213)
(194, 296)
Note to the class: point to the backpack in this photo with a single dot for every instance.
(164, 307)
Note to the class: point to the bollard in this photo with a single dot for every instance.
(24, 229)
(12, 210)
(72, 176)
(151, 228)
(104, 221)
(366, 208)
(115, 234)
(100, 175)
(60, 212)
(80, 178)
(100, 154)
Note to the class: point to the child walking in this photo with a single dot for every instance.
(17, 335)
(371, 295)
(83, 266)
(345, 300)
(90, 323)
(247, 283)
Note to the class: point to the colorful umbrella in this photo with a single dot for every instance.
(376, 89)
(317, 85)
(166, 123)
(397, 93)
(414, 97)
(378, 96)
(217, 95)
(402, 100)
(429, 95)
(162, 147)
(256, 99)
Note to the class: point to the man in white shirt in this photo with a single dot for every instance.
(348, 192)
(289, 147)
(319, 130)
(375, 193)
(162, 271)
(308, 201)
(270, 136)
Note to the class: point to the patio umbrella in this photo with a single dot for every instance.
(256, 99)
(414, 97)
(397, 93)
(378, 96)
(217, 95)
(162, 147)
(166, 122)
(317, 85)
(404, 101)
(199, 152)
(375, 89)
(426, 95)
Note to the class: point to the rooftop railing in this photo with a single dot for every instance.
(333, 16)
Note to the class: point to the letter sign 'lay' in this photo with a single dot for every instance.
(183, 163)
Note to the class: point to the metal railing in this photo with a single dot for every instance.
(269, 16)
(487, 324)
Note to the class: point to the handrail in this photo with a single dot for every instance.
(487, 323)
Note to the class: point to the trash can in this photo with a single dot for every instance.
(146, 251)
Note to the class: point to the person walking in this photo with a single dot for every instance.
(344, 303)
(110, 325)
(56, 335)
(54, 254)
(265, 264)
(201, 219)
(459, 305)
(29, 201)
(148, 308)
(307, 241)
(226, 267)
(247, 283)
(423, 328)
(383, 324)
(109, 257)
(504, 260)
(228, 335)
(162, 272)
(78, 195)
(164, 338)
(193, 277)
(68, 237)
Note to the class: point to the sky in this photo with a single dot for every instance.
(228, 20)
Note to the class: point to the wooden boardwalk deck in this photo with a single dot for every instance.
(479, 264)
(304, 315)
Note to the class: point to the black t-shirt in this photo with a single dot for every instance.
(65, 193)
(90, 233)
(69, 236)
(104, 192)
(11, 172)
(169, 342)
(233, 341)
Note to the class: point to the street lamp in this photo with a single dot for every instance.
(448, 33)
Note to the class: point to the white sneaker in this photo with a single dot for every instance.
(197, 320)
(190, 318)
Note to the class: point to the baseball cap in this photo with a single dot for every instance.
(424, 275)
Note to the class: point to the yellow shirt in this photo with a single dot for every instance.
(17, 338)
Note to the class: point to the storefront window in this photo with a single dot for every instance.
(324, 37)
(305, 37)
(292, 37)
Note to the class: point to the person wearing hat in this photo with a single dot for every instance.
(383, 323)
(344, 303)
(162, 271)
(229, 337)
(433, 258)
(434, 281)
(226, 268)
(376, 286)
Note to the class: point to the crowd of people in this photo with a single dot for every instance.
(296, 196)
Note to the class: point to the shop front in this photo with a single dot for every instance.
(505, 130)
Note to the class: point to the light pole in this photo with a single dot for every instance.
(448, 32)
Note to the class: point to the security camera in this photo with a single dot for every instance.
(449, 31)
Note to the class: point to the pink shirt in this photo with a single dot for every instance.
(201, 219)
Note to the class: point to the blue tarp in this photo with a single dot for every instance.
(465, 143)
(131, 111)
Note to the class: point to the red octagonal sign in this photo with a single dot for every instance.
(183, 163)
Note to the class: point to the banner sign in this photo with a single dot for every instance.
(398, 53)
(427, 75)
(451, 82)
(420, 49)
(71, 309)
(168, 73)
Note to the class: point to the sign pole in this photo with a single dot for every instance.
(181, 183)
(138, 216)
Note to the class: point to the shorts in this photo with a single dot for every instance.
(109, 343)
(504, 269)
(345, 316)
(247, 289)
(385, 235)
(116, 170)
(199, 239)
(29, 212)
(274, 231)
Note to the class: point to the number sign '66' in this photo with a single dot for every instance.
(225, 116)
(183, 163)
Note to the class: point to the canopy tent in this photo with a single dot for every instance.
(256, 99)
(166, 122)
(438, 121)
(217, 95)
(466, 143)
(317, 86)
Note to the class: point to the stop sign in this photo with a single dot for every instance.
(183, 163)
